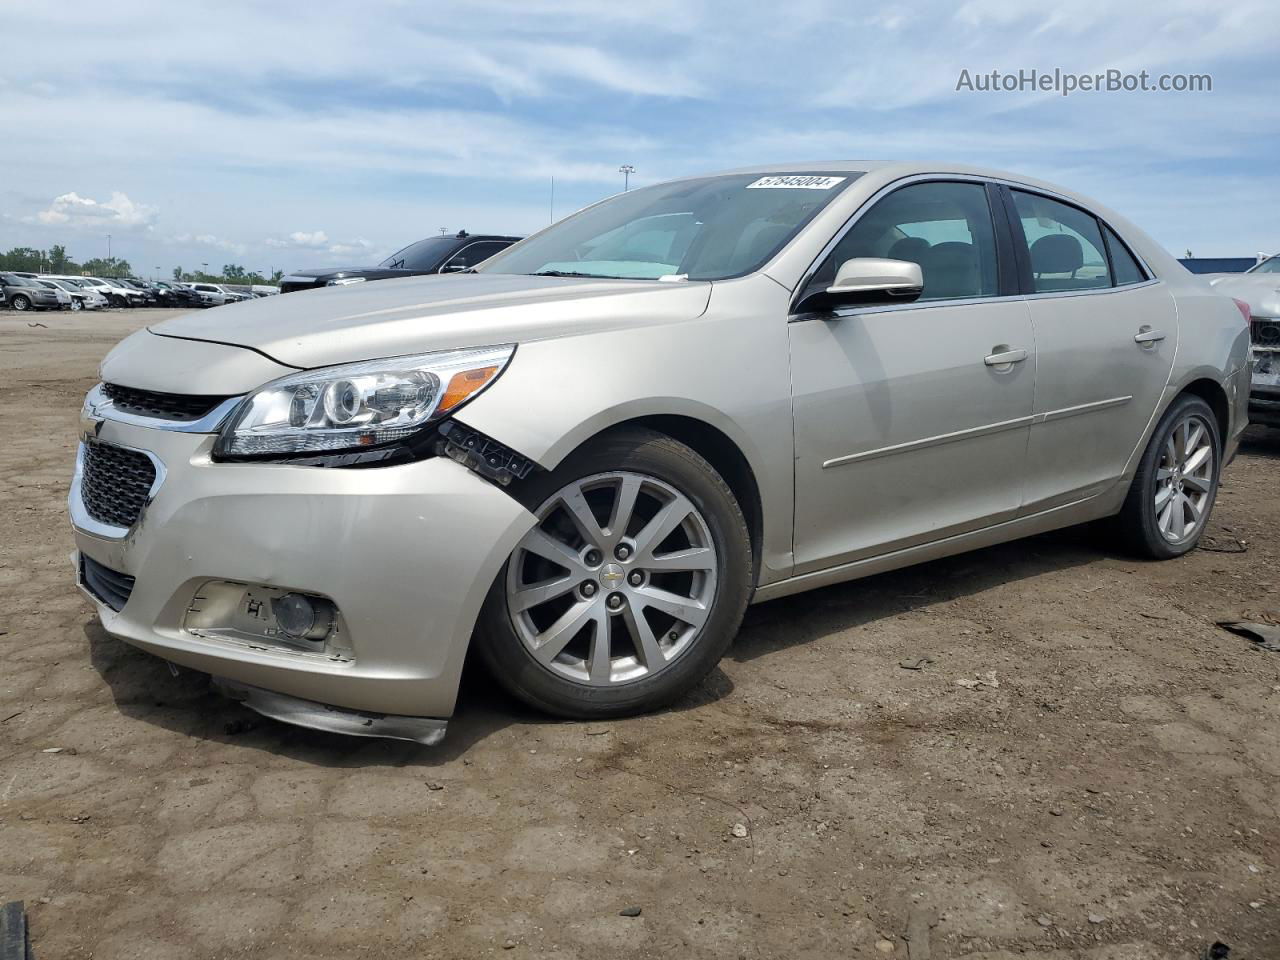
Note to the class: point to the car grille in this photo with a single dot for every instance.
(1265, 333)
(176, 407)
(109, 586)
(115, 483)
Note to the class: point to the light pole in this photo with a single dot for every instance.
(108, 251)
(626, 170)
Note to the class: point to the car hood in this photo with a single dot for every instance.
(1260, 290)
(365, 321)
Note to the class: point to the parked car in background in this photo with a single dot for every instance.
(211, 295)
(445, 254)
(125, 294)
(1259, 288)
(591, 453)
(83, 297)
(1204, 265)
(114, 296)
(23, 293)
(177, 295)
(65, 302)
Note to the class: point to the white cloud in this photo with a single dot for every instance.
(73, 210)
(208, 240)
(301, 240)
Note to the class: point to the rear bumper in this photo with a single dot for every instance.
(406, 554)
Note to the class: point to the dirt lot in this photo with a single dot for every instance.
(1116, 796)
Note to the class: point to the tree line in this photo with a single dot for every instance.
(57, 260)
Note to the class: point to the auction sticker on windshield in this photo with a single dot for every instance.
(795, 182)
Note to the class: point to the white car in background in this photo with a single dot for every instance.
(83, 296)
(1259, 287)
(133, 297)
(114, 296)
(211, 294)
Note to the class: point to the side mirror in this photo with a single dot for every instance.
(873, 280)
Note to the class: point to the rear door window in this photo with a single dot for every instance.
(1065, 245)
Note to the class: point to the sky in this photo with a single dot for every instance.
(291, 135)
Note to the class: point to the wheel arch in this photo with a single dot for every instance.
(1212, 393)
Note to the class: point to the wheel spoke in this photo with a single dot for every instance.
(694, 558)
(684, 609)
(646, 643)
(624, 504)
(1201, 484)
(580, 512)
(530, 596)
(1180, 442)
(548, 547)
(1196, 460)
(1194, 509)
(1178, 519)
(600, 660)
(1163, 474)
(1162, 496)
(1165, 518)
(556, 637)
(1195, 433)
(660, 527)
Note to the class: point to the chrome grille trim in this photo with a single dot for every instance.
(84, 521)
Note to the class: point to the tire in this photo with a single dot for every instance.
(77, 305)
(20, 302)
(654, 656)
(1160, 529)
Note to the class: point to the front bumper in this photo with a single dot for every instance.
(405, 553)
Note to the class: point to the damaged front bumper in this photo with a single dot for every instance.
(1264, 388)
(398, 559)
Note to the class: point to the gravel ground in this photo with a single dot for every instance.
(1115, 796)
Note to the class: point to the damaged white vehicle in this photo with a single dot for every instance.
(1259, 287)
(586, 456)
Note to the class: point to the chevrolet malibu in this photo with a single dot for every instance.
(585, 458)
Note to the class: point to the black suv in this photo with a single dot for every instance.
(444, 254)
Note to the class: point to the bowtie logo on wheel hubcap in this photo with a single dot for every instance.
(611, 575)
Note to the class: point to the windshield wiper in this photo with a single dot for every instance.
(571, 273)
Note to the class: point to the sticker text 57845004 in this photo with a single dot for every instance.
(795, 181)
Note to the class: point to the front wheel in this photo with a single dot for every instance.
(629, 588)
(20, 302)
(1173, 491)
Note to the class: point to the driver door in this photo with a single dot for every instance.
(907, 429)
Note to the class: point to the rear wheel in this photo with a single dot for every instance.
(630, 587)
(1176, 483)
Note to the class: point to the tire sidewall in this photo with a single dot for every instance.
(1154, 540)
(655, 455)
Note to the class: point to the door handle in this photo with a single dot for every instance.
(1146, 335)
(1005, 357)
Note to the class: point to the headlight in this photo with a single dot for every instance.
(358, 404)
(343, 281)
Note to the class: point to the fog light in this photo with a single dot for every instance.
(301, 617)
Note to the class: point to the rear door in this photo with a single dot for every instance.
(1106, 333)
(911, 420)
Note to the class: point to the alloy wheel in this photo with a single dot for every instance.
(21, 303)
(1184, 479)
(615, 581)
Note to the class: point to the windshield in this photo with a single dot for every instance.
(13, 280)
(710, 228)
(1270, 265)
(423, 255)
